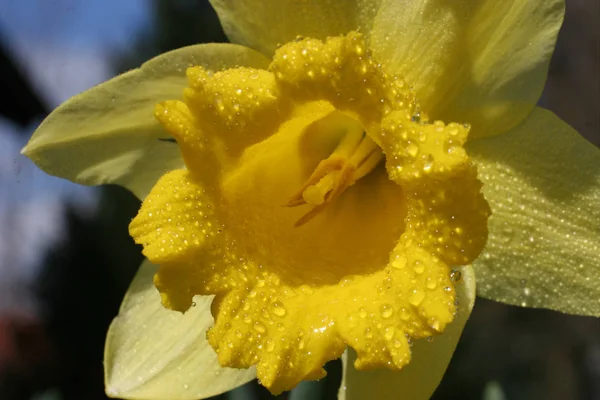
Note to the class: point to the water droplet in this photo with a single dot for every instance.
(419, 267)
(278, 309)
(412, 149)
(270, 345)
(404, 314)
(259, 327)
(456, 276)
(389, 333)
(386, 311)
(431, 283)
(416, 297)
(362, 312)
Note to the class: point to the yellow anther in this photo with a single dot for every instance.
(316, 193)
(355, 156)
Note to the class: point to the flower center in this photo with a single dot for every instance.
(372, 270)
(314, 185)
(355, 156)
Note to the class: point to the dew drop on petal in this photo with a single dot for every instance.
(386, 310)
(416, 297)
(456, 276)
(278, 309)
(362, 312)
(259, 327)
(389, 332)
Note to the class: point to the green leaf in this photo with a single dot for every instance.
(154, 353)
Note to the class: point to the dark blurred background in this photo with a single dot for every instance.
(66, 258)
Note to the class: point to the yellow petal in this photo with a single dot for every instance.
(371, 270)
(419, 379)
(290, 331)
(542, 181)
(109, 134)
(266, 24)
(174, 220)
(279, 289)
(153, 353)
(415, 150)
(449, 217)
(483, 62)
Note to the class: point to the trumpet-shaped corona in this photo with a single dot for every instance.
(319, 205)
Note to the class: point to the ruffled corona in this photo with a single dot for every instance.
(319, 205)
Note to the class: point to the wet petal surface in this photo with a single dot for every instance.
(371, 266)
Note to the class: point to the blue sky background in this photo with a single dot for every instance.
(74, 23)
(64, 47)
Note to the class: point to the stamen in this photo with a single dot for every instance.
(316, 193)
(331, 164)
(351, 140)
(365, 148)
(369, 164)
(355, 156)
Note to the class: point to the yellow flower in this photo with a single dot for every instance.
(286, 213)
(314, 190)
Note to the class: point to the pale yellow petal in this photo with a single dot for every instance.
(155, 353)
(419, 379)
(265, 24)
(109, 134)
(482, 62)
(542, 182)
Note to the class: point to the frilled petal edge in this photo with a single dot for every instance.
(419, 379)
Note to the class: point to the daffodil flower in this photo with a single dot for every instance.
(326, 183)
